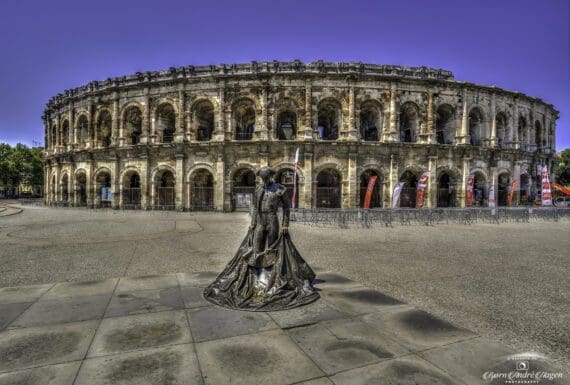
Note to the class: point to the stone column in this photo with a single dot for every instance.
(115, 123)
(145, 176)
(391, 135)
(517, 178)
(219, 184)
(89, 183)
(306, 132)
(429, 136)
(179, 187)
(179, 136)
(262, 128)
(90, 126)
(350, 196)
(462, 188)
(494, 181)
(72, 141)
(463, 137)
(116, 183)
(145, 135)
(515, 124)
(493, 138)
(307, 201)
(431, 189)
(352, 133)
(392, 179)
(220, 129)
(46, 192)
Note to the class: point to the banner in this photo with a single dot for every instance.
(422, 185)
(546, 193)
(368, 196)
(396, 195)
(469, 192)
(492, 202)
(294, 197)
(512, 192)
(106, 194)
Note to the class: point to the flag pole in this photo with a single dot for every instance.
(294, 198)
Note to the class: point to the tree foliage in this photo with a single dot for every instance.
(563, 167)
(20, 164)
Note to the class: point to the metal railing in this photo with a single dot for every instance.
(427, 217)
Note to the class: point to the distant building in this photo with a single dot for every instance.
(191, 138)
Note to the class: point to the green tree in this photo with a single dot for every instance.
(20, 164)
(563, 167)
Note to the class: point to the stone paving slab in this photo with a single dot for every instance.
(143, 331)
(61, 311)
(45, 345)
(267, 358)
(60, 374)
(166, 333)
(19, 294)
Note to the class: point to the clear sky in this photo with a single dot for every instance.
(48, 46)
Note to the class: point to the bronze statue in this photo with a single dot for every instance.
(267, 273)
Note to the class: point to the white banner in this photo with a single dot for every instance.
(396, 195)
(546, 193)
(492, 196)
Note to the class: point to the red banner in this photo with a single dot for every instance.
(546, 193)
(512, 193)
(368, 196)
(422, 185)
(469, 192)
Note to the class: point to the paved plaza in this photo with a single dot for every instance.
(109, 297)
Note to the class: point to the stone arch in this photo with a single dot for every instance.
(131, 188)
(410, 178)
(64, 183)
(521, 130)
(53, 186)
(287, 119)
(201, 184)
(103, 182)
(131, 123)
(447, 180)
(328, 191)
(370, 122)
(501, 129)
(166, 120)
(164, 181)
(377, 191)
(104, 124)
(203, 112)
(244, 118)
(243, 181)
(409, 122)
(285, 175)
(82, 127)
(80, 177)
(445, 122)
(538, 137)
(477, 130)
(503, 187)
(480, 187)
(65, 132)
(329, 118)
(525, 189)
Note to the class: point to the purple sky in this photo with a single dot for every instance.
(48, 46)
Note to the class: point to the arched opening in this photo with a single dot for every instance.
(479, 189)
(409, 122)
(243, 189)
(53, 136)
(53, 189)
(81, 189)
(522, 132)
(329, 189)
(104, 123)
(131, 190)
(376, 197)
(202, 191)
(103, 189)
(244, 119)
(286, 178)
(64, 133)
(445, 124)
(165, 198)
(204, 120)
(286, 125)
(409, 190)
(476, 127)
(132, 125)
(166, 123)
(370, 121)
(328, 119)
(503, 189)
(446, 193)
(83, 129)
(524, 195)
(501, 129)
(538, 135)
(65, 188)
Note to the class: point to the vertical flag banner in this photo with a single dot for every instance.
(469, 192)
(369, 190)
(546, 193)
(396, 195)
(492, 202)
(422, 185)
(294, 198)
(512, 192)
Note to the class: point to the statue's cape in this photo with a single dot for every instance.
(289, 284)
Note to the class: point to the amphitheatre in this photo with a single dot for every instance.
(191, 138)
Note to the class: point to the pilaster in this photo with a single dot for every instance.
(179, 186)
(462, 188)
(307, 130)
(431, 189)
(351, 192)
(179, 135)
(392, 179)
(307, 192)
(463, 137)
(493, 138)
(391, 134)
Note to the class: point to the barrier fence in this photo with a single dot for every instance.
(426, 217)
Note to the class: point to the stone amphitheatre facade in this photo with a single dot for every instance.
(191, 138)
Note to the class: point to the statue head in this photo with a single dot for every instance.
(266, 174)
